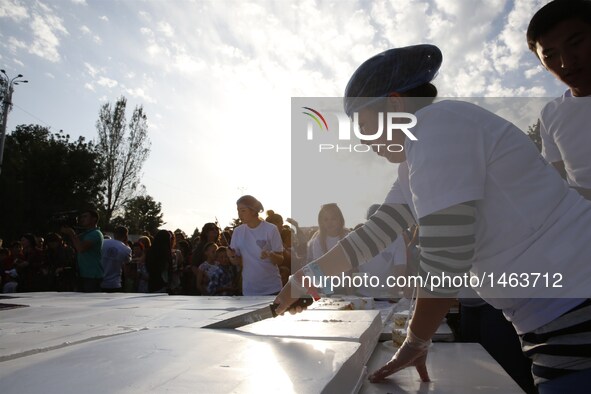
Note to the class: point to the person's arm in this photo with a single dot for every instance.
(80, 246)
(447, 240)
(234, 257)
(201, 281)
(559, 165)
(301, 241)
(275, 251)
(275, 257)
(426, 319)
(359, 246)
(586, 193)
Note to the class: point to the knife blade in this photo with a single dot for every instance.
(257, 315)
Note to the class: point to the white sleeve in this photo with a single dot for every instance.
(276, 243)
(399, 257)
(395, 195)
(235, 242)
(550, 150)
(447, 165)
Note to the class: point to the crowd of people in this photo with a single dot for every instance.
(254, 258)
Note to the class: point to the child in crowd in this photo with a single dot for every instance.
(207, 268)
(223, 281)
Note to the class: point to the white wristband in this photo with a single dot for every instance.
(415, 342)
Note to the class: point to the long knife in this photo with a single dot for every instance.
(257, 315)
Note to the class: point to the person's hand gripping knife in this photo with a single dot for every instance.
(300, 283)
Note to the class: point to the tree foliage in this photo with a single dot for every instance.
(44, 173)
(124, 148)
(141, 214)
(235, 222)
(533, 132)
(3, 93)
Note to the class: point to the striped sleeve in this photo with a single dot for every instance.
(562, 346)
(447, 243)
(382, 228)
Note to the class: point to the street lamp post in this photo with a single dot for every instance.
(9, 89)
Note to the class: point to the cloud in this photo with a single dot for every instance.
(46, 27)
(145, 16)
(15, 44)
(104, 18)
(89, 86)
(140, 94)
(50, 75)
(106, 82)
(79, 2)
(166, 29)
(86, 31)
(93, 71)
(13, 10)
(529, 73)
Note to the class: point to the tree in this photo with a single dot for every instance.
(124, 148)
(44, 173)
(196, 233)
(3, 92)
(141, 214)
(533, 132)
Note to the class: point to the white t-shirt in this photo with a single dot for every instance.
(259, 277)
(382, 266)
(113, 255)
(565, 128)
(527, 219)
(315, 248)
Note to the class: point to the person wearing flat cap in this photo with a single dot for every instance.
(487, 205)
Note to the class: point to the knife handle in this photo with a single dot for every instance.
(304, 302)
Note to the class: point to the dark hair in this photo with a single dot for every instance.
(552, 14)
(427, 90)
(31, 238)
(251, 203)
(208, 227)
(53, 237)
(159, 260)
(274, 218)
(208, 245)
(198, 256)
(91, 210)
(120, 232)
(334, 209)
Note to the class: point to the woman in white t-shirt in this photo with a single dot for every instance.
(487, 204)
(256, 246)
(331, 229)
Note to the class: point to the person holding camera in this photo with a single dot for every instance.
(88, 244)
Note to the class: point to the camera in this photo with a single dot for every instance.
(64, 219)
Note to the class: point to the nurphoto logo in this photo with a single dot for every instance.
(392, 122)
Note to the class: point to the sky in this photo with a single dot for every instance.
(216, 79)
